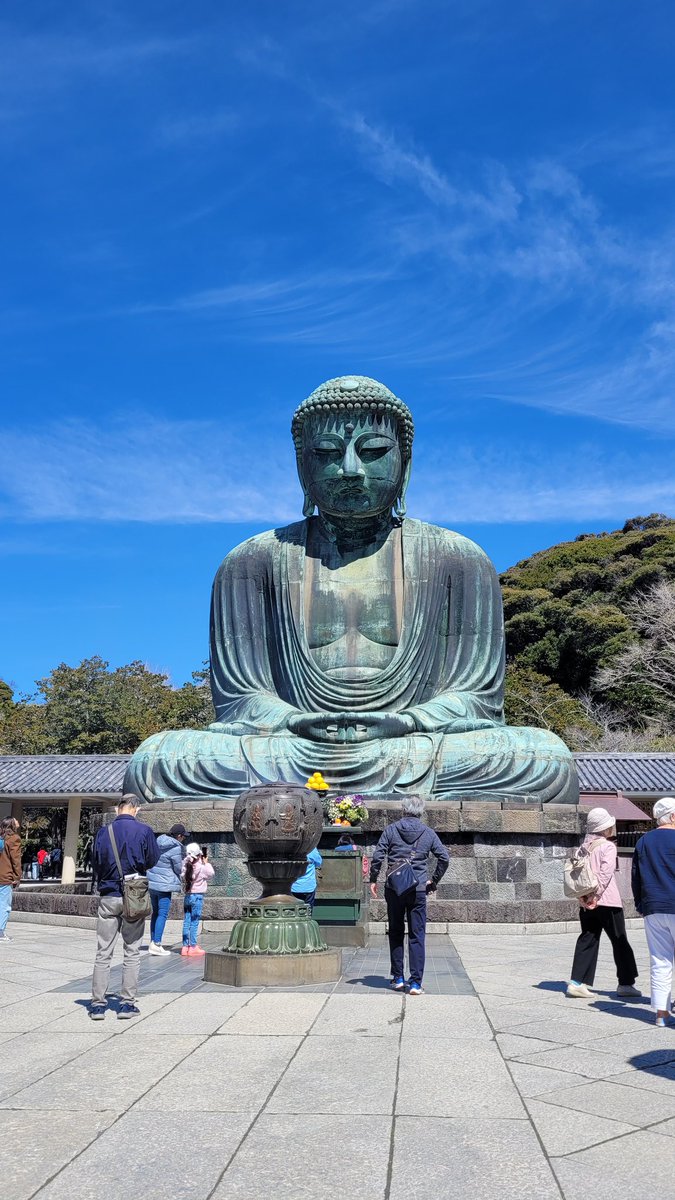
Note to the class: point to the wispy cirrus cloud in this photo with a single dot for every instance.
(140, 469)
(34, 63)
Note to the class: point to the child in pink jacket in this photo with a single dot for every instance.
(195, 874)
(602, 910)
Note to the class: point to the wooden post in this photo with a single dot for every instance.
(70, 845)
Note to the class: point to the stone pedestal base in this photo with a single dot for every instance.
(506, 859)
(273, 970)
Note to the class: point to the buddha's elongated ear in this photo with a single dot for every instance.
(308, 505)
(400, 508)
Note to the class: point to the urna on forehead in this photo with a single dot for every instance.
(354, 394)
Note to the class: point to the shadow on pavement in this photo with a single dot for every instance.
(371, 981)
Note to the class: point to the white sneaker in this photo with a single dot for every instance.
(578, 991)
(4, 937)
(155, 948)
(627, 989)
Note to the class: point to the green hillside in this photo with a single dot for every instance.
(571, 610)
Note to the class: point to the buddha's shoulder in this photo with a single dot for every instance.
(445, 540)
(260, 550)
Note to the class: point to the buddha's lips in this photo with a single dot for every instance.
(350, 489)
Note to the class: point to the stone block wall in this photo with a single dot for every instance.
(506, 861)
(506, 858)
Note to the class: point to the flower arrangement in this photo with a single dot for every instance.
(346, 810)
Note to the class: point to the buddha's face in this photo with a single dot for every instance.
(351, 463)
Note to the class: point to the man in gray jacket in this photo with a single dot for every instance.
(408, 838)
(164, 882)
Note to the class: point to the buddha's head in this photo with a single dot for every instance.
(353, 442)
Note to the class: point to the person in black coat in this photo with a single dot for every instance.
(408, 839)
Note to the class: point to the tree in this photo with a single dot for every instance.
(569, 610)
(89, 709)
(532, 699)
(641, 677)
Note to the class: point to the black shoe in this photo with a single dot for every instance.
(97, 1012)
(127, 1010)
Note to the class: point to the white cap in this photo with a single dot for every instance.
(664, 807)
(599, 819)
(194, 850)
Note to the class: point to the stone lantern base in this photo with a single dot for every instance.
(272, 970)
(275, 943)
(276, 925)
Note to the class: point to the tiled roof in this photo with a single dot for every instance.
(66, 774)
(654, 773)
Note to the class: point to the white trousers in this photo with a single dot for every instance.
(660, 931)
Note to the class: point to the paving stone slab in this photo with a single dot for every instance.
(640, 1039)
(225, 1074)
(315, 1156)
(355, 1075)
(32, 1149)
(189, 1016)
(538, 1081)
(34, 1012)
(362, 1016)
(12, 993)
(156, 1156)
(656, 1079)
(666, 1127)
(506, 1016)
(268, 1013)
(566, 1132)
(513, 1046)
(637, 1164)
(589, 1063)
(455, 1078)
(611, 1099)
(35, 1053)
(457, 1159)
(443, 1016)
(111, 1075)
(591, 1033)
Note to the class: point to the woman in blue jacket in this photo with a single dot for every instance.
(163, 881)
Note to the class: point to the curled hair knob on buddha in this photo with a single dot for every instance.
(355, 394)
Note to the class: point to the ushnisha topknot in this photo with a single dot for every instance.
(352, 394)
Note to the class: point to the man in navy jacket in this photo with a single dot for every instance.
(408, 839)
(138, 851)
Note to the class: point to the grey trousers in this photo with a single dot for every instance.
(109, 923)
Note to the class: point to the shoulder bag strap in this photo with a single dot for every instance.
(410, 847)
(113, 843)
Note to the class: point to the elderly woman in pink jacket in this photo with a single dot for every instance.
(603, 910)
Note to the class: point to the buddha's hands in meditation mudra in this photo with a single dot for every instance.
(350, 727)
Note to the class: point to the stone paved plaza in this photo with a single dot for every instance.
(492, 1084)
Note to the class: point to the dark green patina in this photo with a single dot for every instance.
(357, 642)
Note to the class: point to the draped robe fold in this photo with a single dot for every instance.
(447, 673)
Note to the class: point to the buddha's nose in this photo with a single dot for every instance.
(351, 463)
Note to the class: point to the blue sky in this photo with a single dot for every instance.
(208, 209)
